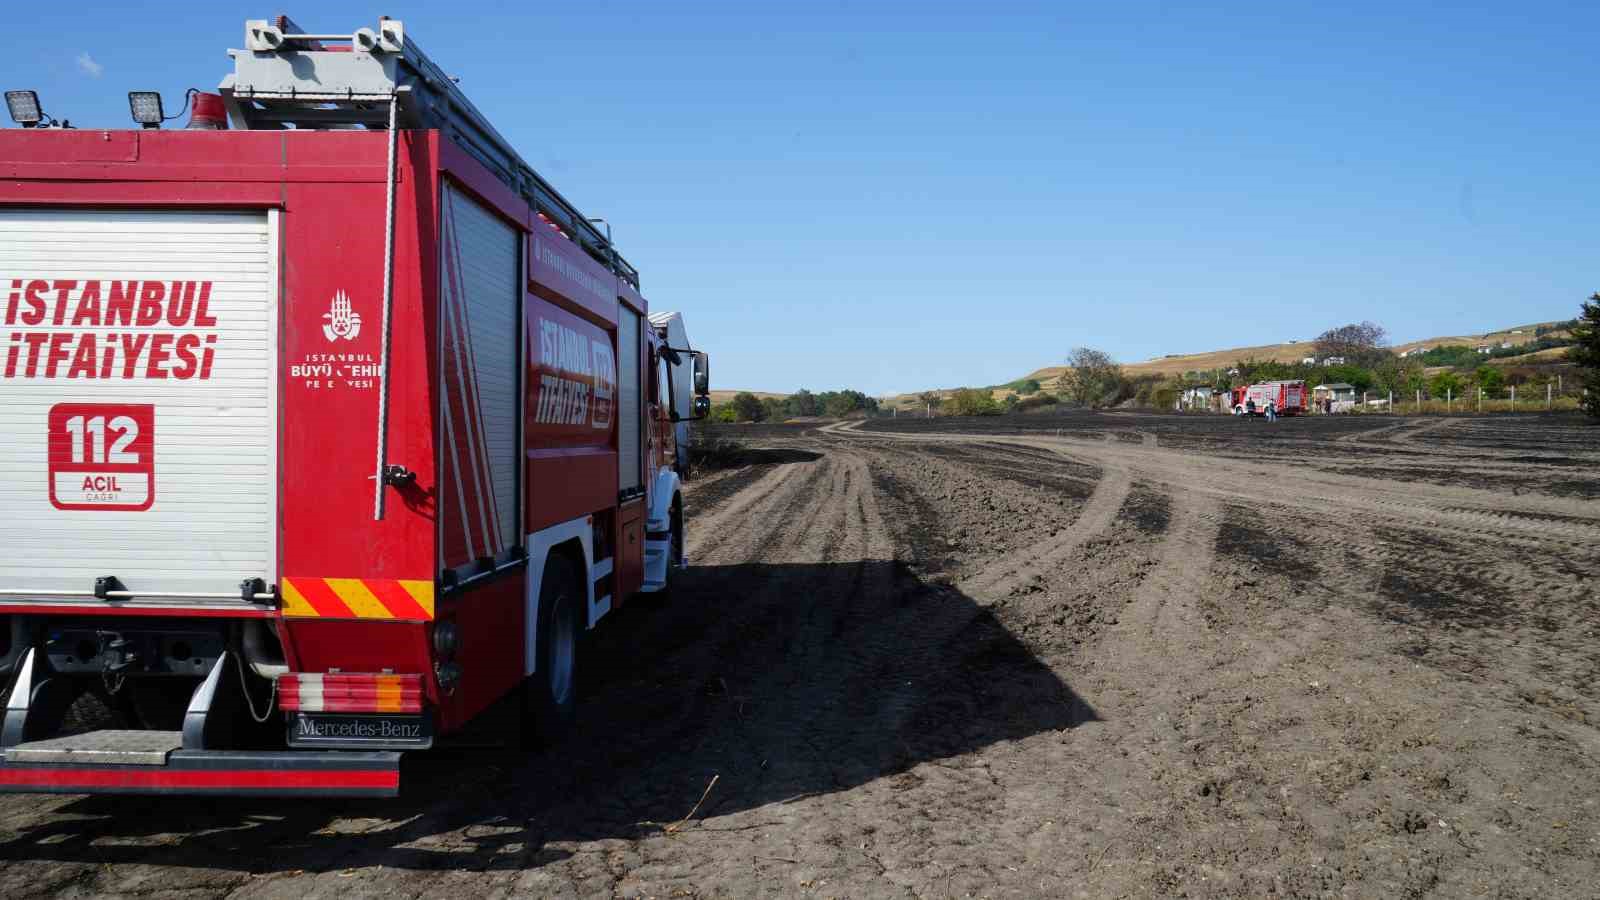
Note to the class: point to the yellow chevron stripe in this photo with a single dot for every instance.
(294, 603)
(420, 591)
(355, 595)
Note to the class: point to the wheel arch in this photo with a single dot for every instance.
(574, 542)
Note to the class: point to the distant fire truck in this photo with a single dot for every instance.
(327, 423)
(1289, 397)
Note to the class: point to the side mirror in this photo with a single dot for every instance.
(702, 406)
(702, 375)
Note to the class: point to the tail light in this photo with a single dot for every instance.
(349, 692)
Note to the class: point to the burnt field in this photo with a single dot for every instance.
(1070, 655)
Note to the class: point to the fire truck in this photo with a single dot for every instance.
(1290, 398)
(327, 423)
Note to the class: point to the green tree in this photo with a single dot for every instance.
(1444, 384)
(722, 412)
(1448, 355)
(1397, 375)
(843, 403)
(930, 400)
(1355, 376)
(1253, 370)
(1092, 378)
(774, 409)
(747, 407)
(972, 402)
(801, 403)
(1490, 380)
(1585, 354)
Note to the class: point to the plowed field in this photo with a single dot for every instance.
(1075, 655)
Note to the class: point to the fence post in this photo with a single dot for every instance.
(1480, 399)
(1419, 399)
(1547, 398)
(1513, 398)
(1449, 400)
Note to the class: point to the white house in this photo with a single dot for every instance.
(1333, 361)
(1309, 361)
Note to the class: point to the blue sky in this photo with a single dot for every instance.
(892, 196)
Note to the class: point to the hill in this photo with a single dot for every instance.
(1049, 377)
(1295, 351)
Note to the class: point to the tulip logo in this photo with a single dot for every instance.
(342, 321)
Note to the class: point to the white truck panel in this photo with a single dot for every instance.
(159, 471)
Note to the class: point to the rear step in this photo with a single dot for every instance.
(176, 762)
(112, 748)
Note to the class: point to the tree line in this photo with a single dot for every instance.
(1093, 379)
(747, 407)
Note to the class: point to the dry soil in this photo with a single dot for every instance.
(1074, 655)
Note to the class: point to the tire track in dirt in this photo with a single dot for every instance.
(1164, 618)
(999, 577)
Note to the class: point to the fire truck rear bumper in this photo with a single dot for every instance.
(294, 773)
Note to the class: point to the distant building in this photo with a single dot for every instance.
(1338, 392)
(1308, 361)
(1484, 349)
(1505, 345)
(1333, 361)
(1197, 398)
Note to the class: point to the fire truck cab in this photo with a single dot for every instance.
(327, 424)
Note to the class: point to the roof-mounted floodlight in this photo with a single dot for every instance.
(146, 108)
(24, 108)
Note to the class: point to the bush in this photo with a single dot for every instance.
(1036, 401)
(971, 402)
(1093, 378)
(1444, 384)
(1585, 354)
(708, 453)
(1489, 380)
(747, 407)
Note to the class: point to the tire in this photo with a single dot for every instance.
(551, 705)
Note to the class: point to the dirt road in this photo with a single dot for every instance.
(1068, 656)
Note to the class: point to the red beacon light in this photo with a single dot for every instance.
(209, 113)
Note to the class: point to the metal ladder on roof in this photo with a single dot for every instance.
(288, 78)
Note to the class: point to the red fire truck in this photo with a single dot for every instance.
(327, 423)
(1289, 397)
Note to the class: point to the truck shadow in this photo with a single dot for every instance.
(780, 681)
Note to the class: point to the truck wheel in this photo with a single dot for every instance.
(552, 692)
